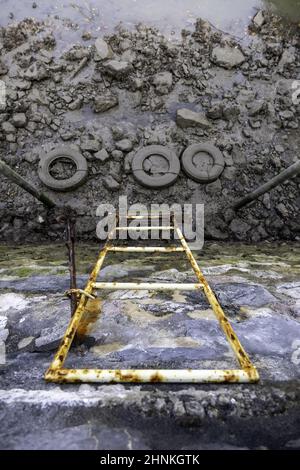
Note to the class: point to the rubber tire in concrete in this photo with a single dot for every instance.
(67, 184)
(194, 172)
(155, 182)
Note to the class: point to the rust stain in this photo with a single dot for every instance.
(90, 316)
(128, 377)
(88, 311)
(157, 377)
(70, 335)
(230, 377)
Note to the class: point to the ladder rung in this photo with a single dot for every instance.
(145, 228)
(145, 286)
(150, 376)
(146, 249)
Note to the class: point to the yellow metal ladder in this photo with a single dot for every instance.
(58, 373)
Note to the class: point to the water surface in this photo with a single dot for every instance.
(170, 16)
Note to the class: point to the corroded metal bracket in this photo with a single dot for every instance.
(57, 372)
(78, 293)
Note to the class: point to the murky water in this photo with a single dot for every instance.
(170, 16)
(288, 8)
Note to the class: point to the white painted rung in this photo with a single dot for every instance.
(153, 375)
(144, 228)
(146, 249)
(144, 286)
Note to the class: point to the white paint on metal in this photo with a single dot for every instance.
(56, 373)
(146, 249)
(145, 286)
(153, 375)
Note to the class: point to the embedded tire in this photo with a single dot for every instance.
(201, 173)
(67, 184)
(152, 181)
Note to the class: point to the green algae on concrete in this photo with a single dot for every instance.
(247, 261)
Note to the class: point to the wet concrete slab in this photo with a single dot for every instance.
(142, 329)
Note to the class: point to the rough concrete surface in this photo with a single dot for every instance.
(259, 290)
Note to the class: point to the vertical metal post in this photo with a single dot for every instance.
(70, 243)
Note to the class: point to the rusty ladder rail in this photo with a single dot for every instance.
(59, 374)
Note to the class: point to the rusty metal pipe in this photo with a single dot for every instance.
(24, 184)
(145, 286)
(70, 243)
(232, 338)
(279, 179)
(56, 372)
(65, 345)
(146, 249)
(148, 376)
